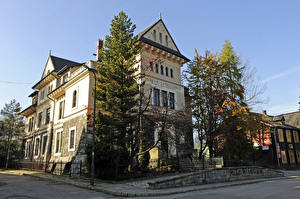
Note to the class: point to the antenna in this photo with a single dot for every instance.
(160, 15)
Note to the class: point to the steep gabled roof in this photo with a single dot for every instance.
(141, 37)
(59, 63)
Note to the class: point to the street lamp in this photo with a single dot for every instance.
(92, 179)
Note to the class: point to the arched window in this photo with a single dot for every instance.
(160, 37)
(167, 71)
(156, 68)
(154, 35)
(167, 42)
(74, 98)
(161, 69)
(171, 72)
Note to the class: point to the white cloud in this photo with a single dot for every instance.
(283, 108)
(282, 74)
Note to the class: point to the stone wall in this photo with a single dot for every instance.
(214, 176)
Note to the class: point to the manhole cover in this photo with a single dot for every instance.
(19, 197)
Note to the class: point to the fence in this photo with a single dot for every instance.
(73, 168)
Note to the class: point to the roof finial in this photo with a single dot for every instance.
(160, 15)
(50, 52)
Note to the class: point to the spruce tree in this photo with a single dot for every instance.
(117, 92)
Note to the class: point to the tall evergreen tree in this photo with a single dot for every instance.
(12, 126)
(117, 91)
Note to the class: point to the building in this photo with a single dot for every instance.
(280, 141)
(56, 122)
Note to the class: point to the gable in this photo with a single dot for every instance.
(158, 33)
(48, 68)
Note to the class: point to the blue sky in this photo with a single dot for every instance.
(266, 34)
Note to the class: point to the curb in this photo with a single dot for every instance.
(163, 193)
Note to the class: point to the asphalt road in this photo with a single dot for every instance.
(16, 186)
(25, 187)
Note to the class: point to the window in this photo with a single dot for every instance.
(283, 157)
(42, 94)
(296, 137)
(167, 71)
(156, 97)
(61, 110)
(37, 146)
(47, 116)
(65, 78)
(288, 136)
(172, 100)
(44, 143)
(171, 72)
(151, 66)
(50, 88)
(58, 142)
(154, 35)
(30, 125)
(74, 99)
(161, 69)
(280, 135)
(156, 68)
(72, 137)
(292, 156)
(298, 155)
(167, 42)
(160, 38)
(164, 96)
(40, 119)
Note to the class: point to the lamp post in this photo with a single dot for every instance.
(92, 179)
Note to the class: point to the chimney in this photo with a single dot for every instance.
(99, 49)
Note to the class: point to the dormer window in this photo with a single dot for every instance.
(167, 42)
(154, 35)
(160, 37)
(65, 78)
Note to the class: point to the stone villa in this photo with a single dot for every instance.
(56, 121)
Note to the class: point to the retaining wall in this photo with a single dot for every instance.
(215, 176)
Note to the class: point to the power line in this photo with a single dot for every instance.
(10, 82)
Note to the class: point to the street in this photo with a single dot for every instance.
(18, 186)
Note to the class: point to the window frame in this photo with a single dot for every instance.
(161, 69)
(156, 98)
(40, 118)
(38, 149)
(61, 108)
(156, 68)
(47, 118)
(74, 102)
(167, 71)
(172, 100)
(164, 98)
(74, 139)
(58, 152)
(171, 73)
(43, 150)
(154, 35)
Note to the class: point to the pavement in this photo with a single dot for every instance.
(137, 188)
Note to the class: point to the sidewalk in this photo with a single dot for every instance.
(131, 189)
